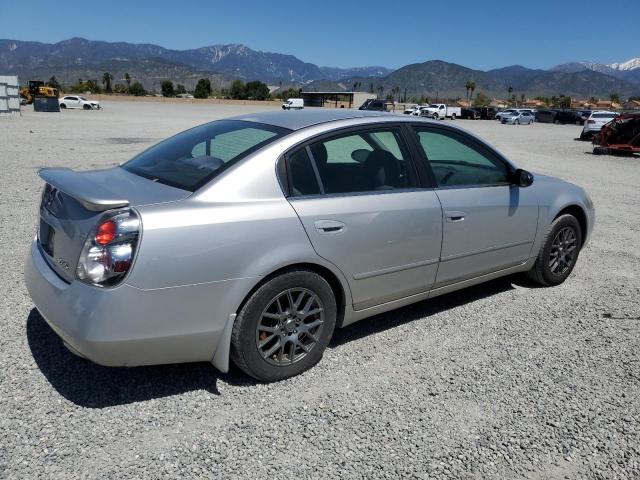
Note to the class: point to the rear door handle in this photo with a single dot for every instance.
(454, 217)
(326, 227)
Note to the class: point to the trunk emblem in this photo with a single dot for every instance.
(63, 264)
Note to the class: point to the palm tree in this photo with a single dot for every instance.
(522, 97)
(468, 87)
(472, 87)
(106, 81)
(127, 78)
(510, 90)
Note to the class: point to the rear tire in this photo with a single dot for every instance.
(517, 122)
(63, 106)
(559, 253)
(271, 320)
(453, 116)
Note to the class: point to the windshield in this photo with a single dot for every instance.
(604, 115)
(82, 98)
(433, 105)
(192, 158)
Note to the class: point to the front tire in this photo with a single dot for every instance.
(559, 253)
(285, 326)
(86, 107)
(63, 106)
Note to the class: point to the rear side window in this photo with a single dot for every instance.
(604, 115)
(457, 161)
(192, 158)
(372, 160)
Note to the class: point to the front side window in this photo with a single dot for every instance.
(457, 161)
(192, 158)
(373, 160)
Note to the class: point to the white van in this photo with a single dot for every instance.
(293, 103)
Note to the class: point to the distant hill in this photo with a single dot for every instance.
(628, 71)
(150, 64)
(436, 78)
(235, 61)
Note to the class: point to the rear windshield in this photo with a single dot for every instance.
(604, 115)
(192, 158)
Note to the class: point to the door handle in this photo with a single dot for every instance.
(326, 227)
(454, 217)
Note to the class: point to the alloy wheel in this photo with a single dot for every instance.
(563, 249)
(290, 326)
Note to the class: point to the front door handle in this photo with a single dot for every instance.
(454, 217)
(326, 227)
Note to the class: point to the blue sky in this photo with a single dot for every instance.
(475, 33)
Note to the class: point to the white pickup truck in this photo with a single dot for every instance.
(440, 110)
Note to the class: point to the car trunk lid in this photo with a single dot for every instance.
(73, 202)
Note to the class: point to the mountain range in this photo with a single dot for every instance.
(77, 58)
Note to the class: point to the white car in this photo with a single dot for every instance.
(511, 111)
(594, 123)
(77, 101)
(411, 110)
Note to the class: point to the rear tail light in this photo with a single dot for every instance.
(591, 121)
(109, 250)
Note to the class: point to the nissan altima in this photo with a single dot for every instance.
(250, 239)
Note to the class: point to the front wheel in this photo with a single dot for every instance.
(285, 326)
(63, 106)
(559, 254)
(434, 116)
(86, 107)
(517, 122)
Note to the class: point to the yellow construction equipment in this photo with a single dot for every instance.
(37, 88)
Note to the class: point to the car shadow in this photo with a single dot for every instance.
(94, 386)
(385, 321)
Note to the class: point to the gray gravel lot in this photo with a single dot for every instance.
(502, 380)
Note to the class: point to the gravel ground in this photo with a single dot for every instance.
(503, 380)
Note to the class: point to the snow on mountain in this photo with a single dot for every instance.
(632, 64)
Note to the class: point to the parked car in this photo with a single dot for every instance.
(595, 122)
(293, 103)
(508, 111)
(583, 115)
(546, 116)
(470, 114)
(441, 111)
(518, 118)
(77, 101)
(566, 117)
(252, 238)
(411, 109)
(373, 104)
(488, 113)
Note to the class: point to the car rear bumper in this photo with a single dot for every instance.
(127, 326)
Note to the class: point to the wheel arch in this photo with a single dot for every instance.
(578, 212)
(338, 285)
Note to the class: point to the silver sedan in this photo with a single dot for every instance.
(252, 238)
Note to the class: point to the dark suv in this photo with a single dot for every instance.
(546, 116)
(566, 116)
(372, 104)
(487, 113)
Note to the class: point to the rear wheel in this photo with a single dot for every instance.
(453, 116)
(517, 122)
(559, 254)
(63, 106)
(285, 326)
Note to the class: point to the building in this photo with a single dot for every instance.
(9, 95)
(631, 105)
(335, 99)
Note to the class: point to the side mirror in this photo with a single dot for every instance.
(522, 178)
